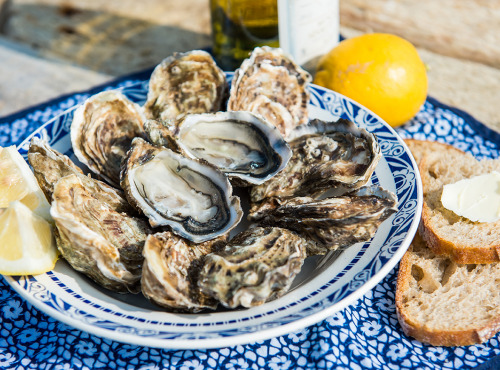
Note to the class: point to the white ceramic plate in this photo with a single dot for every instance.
(324, 286)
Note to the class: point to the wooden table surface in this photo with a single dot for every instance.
(53, 47)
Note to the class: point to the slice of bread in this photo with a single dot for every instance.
(445, 232)
(445, 304)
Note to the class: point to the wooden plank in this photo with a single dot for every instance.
(115, 36)
(467, 29)
(29, 80)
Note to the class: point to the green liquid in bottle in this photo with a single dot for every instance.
(238, 26)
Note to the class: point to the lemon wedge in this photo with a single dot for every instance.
(17, 182)
(27, 246)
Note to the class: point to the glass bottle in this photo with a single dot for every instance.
(238, 26)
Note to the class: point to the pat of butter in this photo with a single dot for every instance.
(477, 198)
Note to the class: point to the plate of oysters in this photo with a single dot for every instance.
(203, 209)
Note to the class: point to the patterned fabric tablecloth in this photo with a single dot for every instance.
(364, 335)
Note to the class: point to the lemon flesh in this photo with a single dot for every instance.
(27, 245)
(17, 182)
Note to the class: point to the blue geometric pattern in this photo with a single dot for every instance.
(365, 334)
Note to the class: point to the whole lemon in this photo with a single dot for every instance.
(382, 72)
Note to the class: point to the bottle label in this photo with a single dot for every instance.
(308, 29)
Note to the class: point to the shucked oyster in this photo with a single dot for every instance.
(102, 130)
(256, 266)
(325, 155)
(192, 197)
(94, 237)
(269, 83)
(243, 146)
(171, 269)
(332, 223)
(185, 83)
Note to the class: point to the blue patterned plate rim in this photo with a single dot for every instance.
(365, 265)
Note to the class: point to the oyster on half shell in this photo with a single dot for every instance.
(94, 236)
(325, 155)
(184, 83)
(102, 130)
(271, 84)
(256, 266)
(192, 197)
(333, 223)
(171, 269)
(242, 145)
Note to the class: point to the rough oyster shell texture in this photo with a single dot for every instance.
(94, 237)
(325, 155)
(192, 197)
(49, 165)
(185, 83)
(102, 130)
(271, 84)
(256, 266)
(333, 223)
(171, 269)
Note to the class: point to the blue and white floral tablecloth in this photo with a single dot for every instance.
(365, 335)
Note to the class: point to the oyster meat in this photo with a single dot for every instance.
(94, 237)
(184, 83)
(333, 223)
(325, 155)
(256, 266)
(171, 269)
(192, 197)
(271, 84)
(243, 146)
(102, 130)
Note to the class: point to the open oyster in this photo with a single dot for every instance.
(271, 84)
(94, 236)
(102, 130)
(49, 165)
(325, 155)
(243, 146)
(332, 223)
(184, 83)
(171, 269)
(256, 266)
(192, 197)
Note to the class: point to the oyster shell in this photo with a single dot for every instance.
(171, 269)
(102, 130)
(185, 83)
(49, 165)
(94, 237)
(325, 155)
(271, 84)
(256, 266)
(160, 135)
(192, 197)
(333, 223)
(243, 146)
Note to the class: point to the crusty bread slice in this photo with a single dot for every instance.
(444, 231)
(445, 304)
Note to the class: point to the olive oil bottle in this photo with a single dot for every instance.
(305, 29)
(238, 26)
